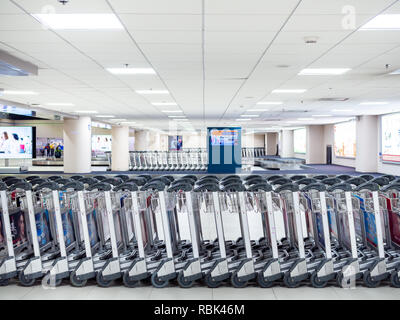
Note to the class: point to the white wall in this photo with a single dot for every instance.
(253, 140)
(286, 144)
(315, 144)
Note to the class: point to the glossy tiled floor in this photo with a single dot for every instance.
(92, 291)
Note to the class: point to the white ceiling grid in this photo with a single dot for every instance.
(251, 47)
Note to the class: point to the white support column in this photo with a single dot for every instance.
(120, 148)
(315, 144)
(77, 145)
(287, 148)
(367, 144)
(271, 141)
(142, 140)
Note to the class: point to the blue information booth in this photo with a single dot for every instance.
(224, 149)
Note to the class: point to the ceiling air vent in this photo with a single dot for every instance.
(13, 66)
(333, 99)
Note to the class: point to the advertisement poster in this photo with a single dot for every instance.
(49, 147)
(15, 142)
(391, 138)
(101, 143)
(345, 139)
(175, 143)
(300, 141)
(227, 137)
(18, 228)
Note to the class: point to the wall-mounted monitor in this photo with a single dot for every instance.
(101, 143)
(175, 143)
(16, 142)
(345, 139)
(225, 137)
(391, 138)
(299, 141)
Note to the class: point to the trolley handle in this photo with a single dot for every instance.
(370, 186)
(341, 186)
(127, 186)
(233, 187)
(206, 180)
(169, 177)
(344, 177)
(137, 180)
(231, 180)
(382, 181)
(230, 177)
(331, 181)
(147, 177)
(77, 178)
(356, 181)
(297, 177)
(287, 187)
(390, 177)
(3, 186)
(321, 177)
(281, 181)
(37, 181)
(73, 185)
(210, 187)
(183, 180)
(314, 186)
(393, 186)
(254, 180)
(260, 187)
(306, 181)
(51, 185)
(23, 185)
(163, 180)
(123, 177)
(273, 177)
(154, 185)
(88, 180)
(100, 186)
(180, 187)
(252, 176)
(62, 181)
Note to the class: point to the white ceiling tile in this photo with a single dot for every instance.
(157, 6)
(161, 22)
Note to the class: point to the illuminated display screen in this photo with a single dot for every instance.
(299, 141)
(345, 139)
(391, 138)
(226, 137)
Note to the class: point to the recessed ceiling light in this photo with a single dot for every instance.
(257, 110)
(395, 72)
(243, 120)
(128, 71)
(373, 103)
(180, 119)
(176, 116)
(16, 92)
(105, 116)
(61, 104)
(79, 21)
(85, 111)
(289, 91)
(171, 111)
(164, 103)
(250, 115)
(383, 22)
(152, 91)
(272, 103)
(342, 110)
(321, 115)
(323, 71)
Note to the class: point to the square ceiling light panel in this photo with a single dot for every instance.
(80, 21)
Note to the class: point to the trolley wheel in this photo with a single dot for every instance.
(394, 279)
(210, 282)
(262, 282)
(236, 282)
(4, 282)
(183, 283)
(289, 281)
(368, 280)
(49, 282)
(157, 282)
(75, 281)
(128, 282)
(101, 282)
(25, 281)
(316, 282)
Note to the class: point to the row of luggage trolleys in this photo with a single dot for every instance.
(320, 230)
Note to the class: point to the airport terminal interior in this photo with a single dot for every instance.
(200, 149)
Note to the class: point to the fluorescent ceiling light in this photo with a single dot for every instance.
(289, 91)
(373, 103)
(383, 22)
(323, 71)
(86, 111)
(250, 115)
(61, 104)
(270, 103)
(243, 120)
(395, 72)
(305, 119)
(256, 110)
(321, 115)
(15, 92)
(105, 116)
(342, 110)
(180, 119)
(171, 111)
(79, 21)
(118, 120)
(125, 71)
(152, 91)
(176, 116)
(164, 103)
